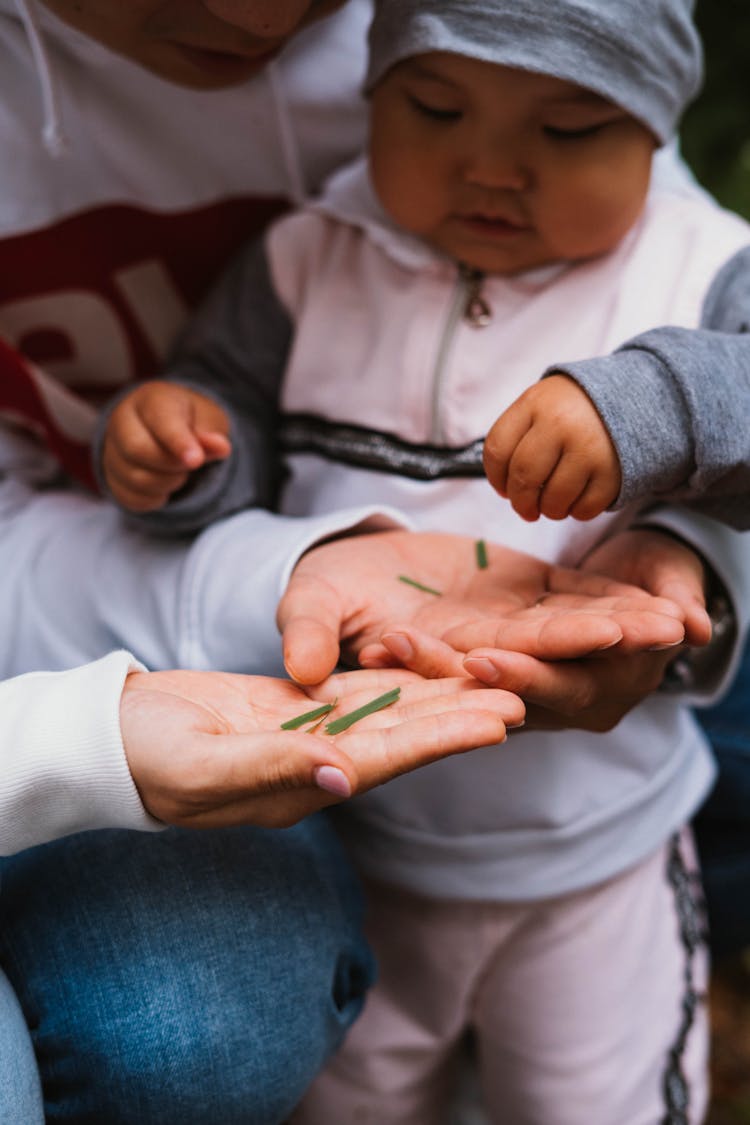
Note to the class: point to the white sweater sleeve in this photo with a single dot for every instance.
(62, 762)
(78, 582)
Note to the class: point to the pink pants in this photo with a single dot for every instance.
(588, 1009)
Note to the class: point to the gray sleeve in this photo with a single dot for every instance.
(676, 402)
(234, 350)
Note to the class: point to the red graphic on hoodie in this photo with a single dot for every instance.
(96, 300)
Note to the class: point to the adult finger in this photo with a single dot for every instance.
(410, 648)
(542, 632)
(589, 695)
(309, 617)
(592, 583)
(417, 742)
(685, 589)
(662, 565)
(571, 635)
(418, 697)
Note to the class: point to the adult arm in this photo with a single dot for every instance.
(78, 582)
(108, 745)
(676, 402)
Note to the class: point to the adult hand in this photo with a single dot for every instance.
(595, 693)
(206, 750)
(662, 565)
(346, 595)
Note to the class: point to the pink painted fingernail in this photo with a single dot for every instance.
(399, 646)
(482, 669)
(333, 780)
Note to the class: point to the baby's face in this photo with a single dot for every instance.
(503, 169)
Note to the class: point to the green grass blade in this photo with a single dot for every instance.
(353, 717)
(419, 586)
(309, 716)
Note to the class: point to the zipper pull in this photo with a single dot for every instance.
(476, 310)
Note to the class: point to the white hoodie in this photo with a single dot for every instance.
(106, 246)
(103, 248)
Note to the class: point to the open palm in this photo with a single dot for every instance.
(348, 592)
(206, 748)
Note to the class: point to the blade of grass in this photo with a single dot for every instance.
(481, 548)
(419, 586)
(309, 716)
(322, 719)
(353, 717)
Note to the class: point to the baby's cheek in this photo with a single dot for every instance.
(595, 225)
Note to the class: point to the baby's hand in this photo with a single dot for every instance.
(156, 436)
(551, 455)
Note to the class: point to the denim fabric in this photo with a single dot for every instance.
(20, 1095)
(186, 978)
(722, 827)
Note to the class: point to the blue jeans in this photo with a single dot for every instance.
(183, 978)
(722, 826)
(20, 1094)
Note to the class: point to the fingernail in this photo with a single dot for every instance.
(515, 726)
(399, 646)
(661, 648)
(482, 669)
(332, 780)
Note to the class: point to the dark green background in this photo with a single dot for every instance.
(715, 133)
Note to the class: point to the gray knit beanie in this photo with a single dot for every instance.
(643, 55)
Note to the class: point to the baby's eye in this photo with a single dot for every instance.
(557, 133)
(436, 113)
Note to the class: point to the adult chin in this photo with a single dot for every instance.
(201, 69)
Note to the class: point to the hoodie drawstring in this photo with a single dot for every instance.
(53, 136)
(289, 147)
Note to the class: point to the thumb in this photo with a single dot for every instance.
(691, 600)
(309, 617)
(684, 585)
(266, 779)
(291, 760)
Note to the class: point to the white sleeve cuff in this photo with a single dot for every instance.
(63, 767)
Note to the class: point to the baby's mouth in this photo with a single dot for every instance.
(499, 225)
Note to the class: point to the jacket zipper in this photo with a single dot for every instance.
(467, 304)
